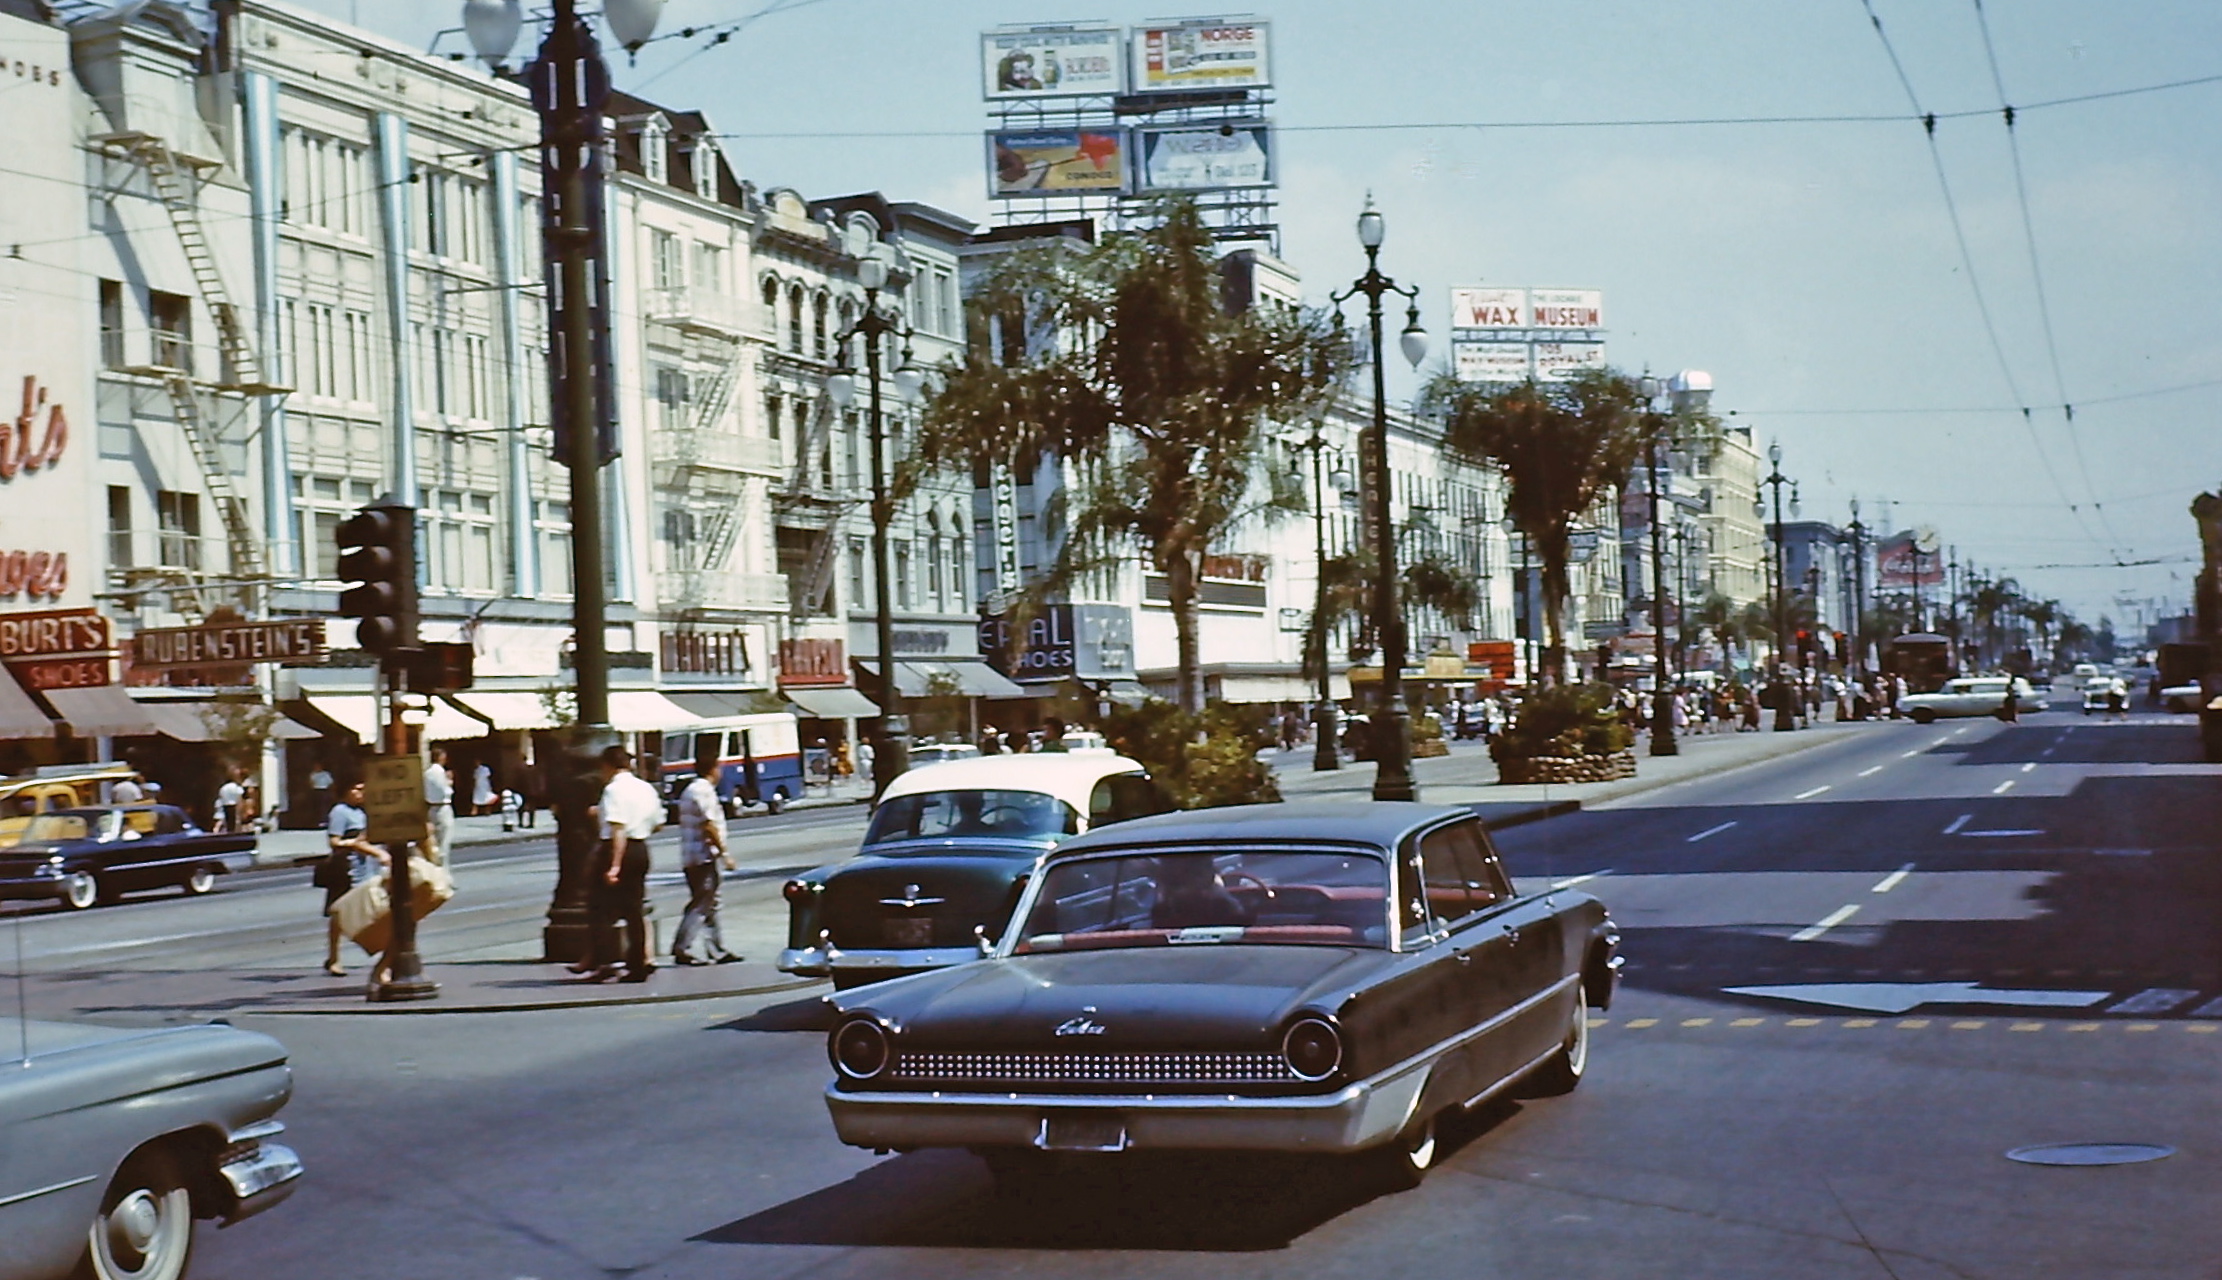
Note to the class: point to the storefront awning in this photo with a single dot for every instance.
(710, 706)
(182, 720)
(1266, 689)
(449, 724)
(646, 711)
(103, 711)
(358, 714)
(1127, 693)
(19, 716)
(508, 711)
(917, 678)
(833, 704)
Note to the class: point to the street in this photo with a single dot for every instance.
(1857, 976)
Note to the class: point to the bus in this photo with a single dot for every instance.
(759, 761)
(1924, 660)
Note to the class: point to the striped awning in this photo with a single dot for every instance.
(19, 716)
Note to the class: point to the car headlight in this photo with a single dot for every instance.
(1313, 1048)
(860, 1049)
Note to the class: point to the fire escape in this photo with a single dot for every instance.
(175, 181)
(813, 499)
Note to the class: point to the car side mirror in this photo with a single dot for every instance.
(981, 940)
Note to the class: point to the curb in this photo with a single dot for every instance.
(526, 1006)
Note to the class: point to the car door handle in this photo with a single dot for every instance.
(1512, 935)
(1465, 957)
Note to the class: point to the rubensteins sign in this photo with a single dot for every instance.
(32, 442)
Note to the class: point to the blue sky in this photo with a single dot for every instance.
(1810, 267)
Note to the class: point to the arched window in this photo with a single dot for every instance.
(654, 152)
(771, 306)
(705, 164)
(794, 318)
(819, 333)
(960, 573)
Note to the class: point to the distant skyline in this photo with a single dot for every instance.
(1810, 266)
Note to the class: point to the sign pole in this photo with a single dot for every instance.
(404, 969)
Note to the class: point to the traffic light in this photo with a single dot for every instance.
(441, 667)
(378, 551)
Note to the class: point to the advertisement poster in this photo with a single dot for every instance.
(1558, 361)
(1054, 62)
(1207, 158)
(1472, 308)
(1903, 562)
(1566, 309)
(1490, 361)
(1204, 55)
(1056, 162)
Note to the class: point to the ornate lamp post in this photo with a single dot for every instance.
(891, 754)
(1786, 717)
(570, 87)
(1859, 591)
(1325, 754)
(1392, 725)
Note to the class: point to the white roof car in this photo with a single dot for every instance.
(1971, 696)
(1068, 776)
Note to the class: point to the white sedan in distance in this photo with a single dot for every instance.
(1970, 696)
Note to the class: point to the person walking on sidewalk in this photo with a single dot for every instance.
(702, 854)
(617, 884)
(229, 798)
(482, 788)
(350, 859)
(439, 804)
(320, 791)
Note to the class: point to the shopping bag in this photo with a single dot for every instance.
(370, 923)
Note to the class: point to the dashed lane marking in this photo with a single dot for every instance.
(1959, 822)
(1913, 1024)
(1808, 795)
(1581, 879)
(1893, 880)
(1709, 832)
(1828, 922)
(1869, 773)
(2030, 767)
(1908, 755)
(2003, 787)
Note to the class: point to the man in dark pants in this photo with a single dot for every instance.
(617, 884)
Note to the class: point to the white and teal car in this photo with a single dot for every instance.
(1971, 696)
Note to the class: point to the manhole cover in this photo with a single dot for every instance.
(2090, 1153)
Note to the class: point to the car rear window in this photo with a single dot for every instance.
(1209, 896)
(1004, 815)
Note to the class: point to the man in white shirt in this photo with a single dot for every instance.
(702, 850)
(228, 798)
(439, 804)
(617, 877)
(128, 791)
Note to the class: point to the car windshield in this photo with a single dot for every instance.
(1008, 815)
(1206, 896)
(50, 827)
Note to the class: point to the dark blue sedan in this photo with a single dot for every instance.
(86, 856)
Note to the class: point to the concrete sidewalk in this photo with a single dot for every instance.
(1469, 776)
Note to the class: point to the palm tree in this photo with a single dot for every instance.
(1123, 361)
(1346, 595)
(1562, 446)
(2044, 615)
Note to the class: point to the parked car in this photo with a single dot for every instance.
(95, 854)
(113, 1141)
(947, 850)
(926, 753)
(44, 790)
(1298, 978)
(2099, 693)
(1970, 696)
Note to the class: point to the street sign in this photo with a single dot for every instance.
(393, 797)
(292, 642)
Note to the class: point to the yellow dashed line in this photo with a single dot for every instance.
(1599, 1022)
(1859, 1022)
(2083, 1026)
(1746, 1022)
(1697, 1022)
(1913, 1024)
(1920, 1024)
(2142, 1026)
(1636, 1023)
(2027, 1026)
(1972, 1025)
(2200, 1028)
(1802, 1022)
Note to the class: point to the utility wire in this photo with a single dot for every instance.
(2037, 275)
(1967, 262)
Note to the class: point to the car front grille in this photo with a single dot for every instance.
(1165, 1067)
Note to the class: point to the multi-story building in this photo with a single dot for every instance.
(1730, 517)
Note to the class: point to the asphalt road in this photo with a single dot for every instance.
(1858, 976)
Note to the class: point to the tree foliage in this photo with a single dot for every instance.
(1202, 759)
(1123, 362)
(1346, 596)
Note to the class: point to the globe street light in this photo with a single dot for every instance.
(1391, 730)
(891, 754)
(1662, 690)
(1785, 714)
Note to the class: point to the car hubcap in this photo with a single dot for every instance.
(1577, 1040)
(133, 1223)
(81, 890)
(203, 880)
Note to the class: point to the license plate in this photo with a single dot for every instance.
(910, 933)
(1083, 1131)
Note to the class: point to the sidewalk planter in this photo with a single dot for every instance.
(1565, 734)
(1524, 770)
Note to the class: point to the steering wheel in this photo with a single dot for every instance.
(1231, 878)
(993, 819)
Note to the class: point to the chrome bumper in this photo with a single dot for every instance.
(826, 960)
(259, 1177)
(1358, 1116)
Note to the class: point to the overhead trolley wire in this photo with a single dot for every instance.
(1967, 261)
(2037, 276)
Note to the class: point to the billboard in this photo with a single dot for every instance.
(1233, 153)
(1200, 55)
(1490, 361)
(1558, 361)
(1566, 309)
(1056, 162)
(1902, 563)
(1474, 308)
(1052, 62)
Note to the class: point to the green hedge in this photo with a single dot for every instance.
(1564, 721)
(1203, 761)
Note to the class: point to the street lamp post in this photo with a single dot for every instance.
(891, 754)
(570, 90)
(1785, 712)
(1859, 592)
(1325, 753)
(1662, 692)
(1391, 729)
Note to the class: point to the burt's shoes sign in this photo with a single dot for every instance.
(32, 441)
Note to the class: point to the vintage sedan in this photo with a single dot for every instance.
(113, 1141)
(1295, 978)
(944, 858)
(1971, 696)
(95, 854)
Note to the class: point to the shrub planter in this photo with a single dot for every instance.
(1524, 770)
(1426, 747)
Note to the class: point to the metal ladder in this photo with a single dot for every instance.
(231, 506)
(818, 577)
